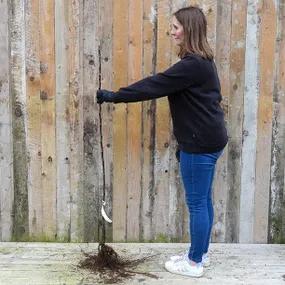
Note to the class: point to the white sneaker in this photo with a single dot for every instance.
(205, 258)
(184, 267)
(206, 261)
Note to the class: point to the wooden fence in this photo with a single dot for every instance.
(50, 163)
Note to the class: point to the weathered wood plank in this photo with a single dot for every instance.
(134, 121)
(148, 122)
(34, 118)
(177, 206)
(264, 123)
(209, 8)
(91, 135)
(19, 115)
(276, 211)
(162, 128)
(222, 59)
(120, 65)
(6, 144)
(106, 38)
(62, 121)
(251, 93)
(48, 149)
(75, 57)
(235, 119)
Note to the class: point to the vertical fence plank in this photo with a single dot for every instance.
(120, 65)
(19, 114)
(47, 80)
(75, 52)
(92, 151)
(62, 121)
(34, 118)
(276, 230)
(162, 120)
(134, 121)
(220, 187)
(177, 206)
(249, 125)
(235, 123)
(148, 112)
(6, 154)
(105, 20)
(264, 123)
(209, 8)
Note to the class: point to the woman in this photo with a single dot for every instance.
(193, 89)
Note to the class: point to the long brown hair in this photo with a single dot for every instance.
(194, 25)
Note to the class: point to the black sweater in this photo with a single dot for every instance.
(194, 94)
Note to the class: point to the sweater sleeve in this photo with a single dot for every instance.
(176, 78)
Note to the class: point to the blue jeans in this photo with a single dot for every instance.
(197, 172)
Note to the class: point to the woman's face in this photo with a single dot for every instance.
(177, 31)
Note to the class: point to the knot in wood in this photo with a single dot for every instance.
(18, 110)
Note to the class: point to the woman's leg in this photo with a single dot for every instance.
(197, 175)
(210, 214)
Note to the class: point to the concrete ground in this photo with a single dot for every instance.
(56, 263)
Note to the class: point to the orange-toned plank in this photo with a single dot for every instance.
(120, 66)
(47, 82)
(162, 128)
(134, 122)
(264, 124)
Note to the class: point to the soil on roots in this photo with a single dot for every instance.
(110, 266)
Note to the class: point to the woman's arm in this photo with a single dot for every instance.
(176, 78)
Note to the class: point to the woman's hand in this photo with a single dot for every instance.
(105, 96)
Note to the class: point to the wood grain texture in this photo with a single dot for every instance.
(178, 212)
(120, 65)
(251, 95)
(6, 144)
(91, 135)
(222, 59)
(19, 119)
(34, 117)
(148, 121)
(134, 122)
(276, 229)
(48, 124)
(75, 58)
(264, 124)
(162, 128)
(235, 106)
(62, 121)
(106, 38)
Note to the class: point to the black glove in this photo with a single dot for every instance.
(105, 96)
